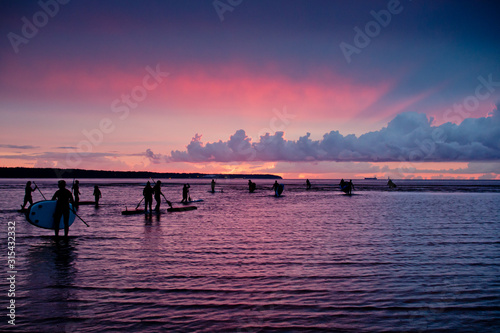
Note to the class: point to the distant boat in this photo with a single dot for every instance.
(370, 178)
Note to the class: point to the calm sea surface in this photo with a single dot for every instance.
(423, 257)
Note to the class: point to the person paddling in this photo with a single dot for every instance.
(64, 197)
(27, 194)
(158, 193)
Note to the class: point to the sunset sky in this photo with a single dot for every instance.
(317, 89)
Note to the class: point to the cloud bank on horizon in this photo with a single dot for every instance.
(409, 136)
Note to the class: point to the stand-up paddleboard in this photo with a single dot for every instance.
(133, 212)
(141, 211)
(181, 209)
(41, 214)
(82, 203)
(188, 202)
(279, 190)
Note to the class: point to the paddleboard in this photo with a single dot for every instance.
(188, 202)
(181, 209)
(41, 214)
(279, 190)
(141, 211)
(86, 203)
(133, 212)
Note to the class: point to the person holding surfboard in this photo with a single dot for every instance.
(27, 194)
(148, 197)
(64, 197)
(277, 188)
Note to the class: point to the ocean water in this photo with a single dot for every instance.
(422, 258)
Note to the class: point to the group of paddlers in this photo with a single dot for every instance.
(75, 190)
(64, 197)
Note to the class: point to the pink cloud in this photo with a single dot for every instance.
(224, 90)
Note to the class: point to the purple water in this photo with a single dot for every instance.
(423, 257)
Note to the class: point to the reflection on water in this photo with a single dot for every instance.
(247, 262)
(51, 272)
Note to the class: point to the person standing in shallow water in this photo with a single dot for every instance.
(97, 195)
(76, 190)
(308, 184)
(158, 193)
(64, 197)
(185, 193)
(27, 194)
(213, 185)
(148, 197)
(251, 186)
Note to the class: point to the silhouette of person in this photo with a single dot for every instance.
(97, 195)
(64, 197)
(148, 197)
(158, 193)
(344, 186)
(76, 190)
(275, 185)
(278, 188)
(251, 186)
(213, 185)
(308, 184)
(27, 194)
(350, 187)
(185, 193)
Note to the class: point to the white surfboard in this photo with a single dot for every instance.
(41, 214)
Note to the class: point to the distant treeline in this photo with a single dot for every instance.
(79, 173)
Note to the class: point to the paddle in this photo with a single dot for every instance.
(79, 217)
(168, 202)
(137, 207)
(40, 191)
